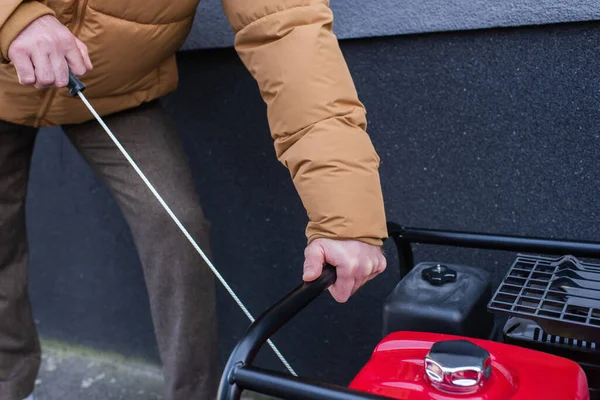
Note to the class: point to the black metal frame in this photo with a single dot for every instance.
(239, 374)
(404, 237)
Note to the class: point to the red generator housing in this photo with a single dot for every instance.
(425, 366)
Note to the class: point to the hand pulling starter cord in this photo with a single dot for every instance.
(76, 87)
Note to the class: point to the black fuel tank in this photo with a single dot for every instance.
(441, 298)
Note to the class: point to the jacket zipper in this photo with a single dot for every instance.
(75, 29)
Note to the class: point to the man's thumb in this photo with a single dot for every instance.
(313, 263)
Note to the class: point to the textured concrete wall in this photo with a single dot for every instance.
(487, 130)
(357, 19)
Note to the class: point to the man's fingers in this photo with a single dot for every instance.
(361, 281)
(61, 70)
(370, 269)
(314, 258)
(380, 266)
(24, 68)
(76, 61)
(83, 50)
(44, 73)
(342, 289)
(358, 283)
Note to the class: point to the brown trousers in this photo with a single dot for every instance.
(180, 285)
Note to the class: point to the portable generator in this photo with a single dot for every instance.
(441, 339)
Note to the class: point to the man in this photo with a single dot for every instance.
(126, 52)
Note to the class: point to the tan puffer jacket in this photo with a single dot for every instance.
(316, 119)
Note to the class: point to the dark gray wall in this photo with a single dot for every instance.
(487, 130)
(359, 19)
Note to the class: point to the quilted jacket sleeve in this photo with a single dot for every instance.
(16, 15)
(316, 119)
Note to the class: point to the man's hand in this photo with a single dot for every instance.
(43, 52)
(355, 262)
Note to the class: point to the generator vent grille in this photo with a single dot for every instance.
(561, 294)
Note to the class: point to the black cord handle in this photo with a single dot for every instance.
(75, 85)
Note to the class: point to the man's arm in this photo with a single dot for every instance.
(319, 128)
(38, 45)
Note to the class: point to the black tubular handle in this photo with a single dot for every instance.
(239, 373)
(75, 85)
(494, 242)
(291, 388)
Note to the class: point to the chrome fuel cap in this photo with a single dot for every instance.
(457, 366)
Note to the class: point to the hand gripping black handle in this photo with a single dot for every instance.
(75, 85)
(240, 374)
